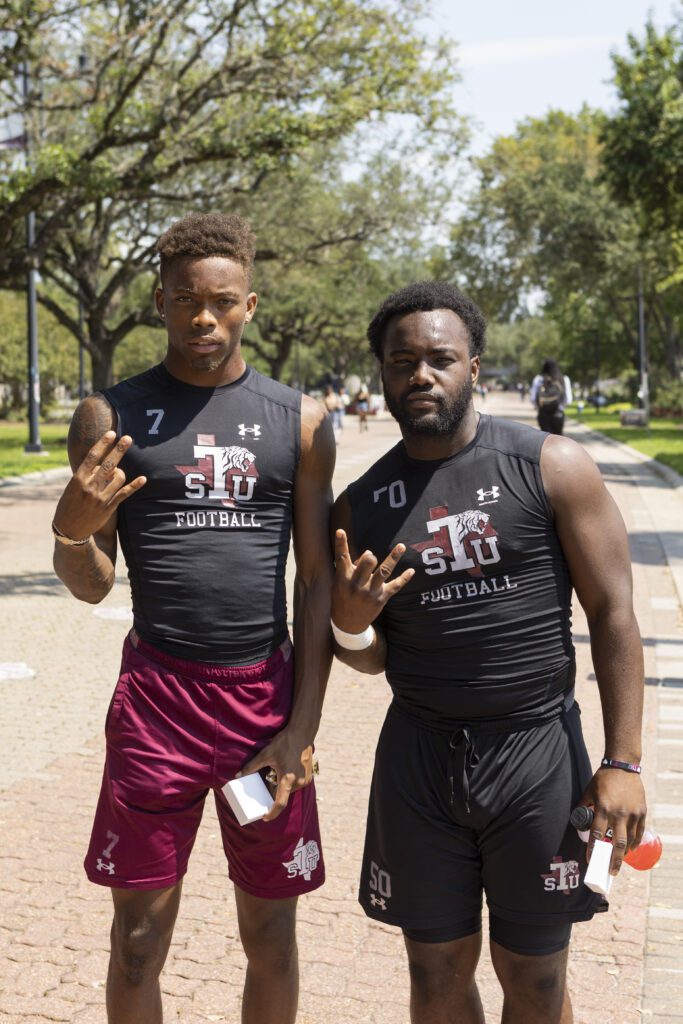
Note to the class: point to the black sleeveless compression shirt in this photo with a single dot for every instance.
(483, 628)
(206, 539)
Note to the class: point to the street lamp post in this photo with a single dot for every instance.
(597, 370)
(644, 393)
(81, 353)
(34, 444)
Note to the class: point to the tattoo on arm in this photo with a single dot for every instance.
(87, 571)
(92, 419)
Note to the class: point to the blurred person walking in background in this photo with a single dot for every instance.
(335, 406)
(550, 391)
(363, 407)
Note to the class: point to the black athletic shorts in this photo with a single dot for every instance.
(456, 813)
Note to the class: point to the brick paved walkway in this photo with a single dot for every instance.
(625, 966)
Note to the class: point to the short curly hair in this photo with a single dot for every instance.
(425, 296)
(208, 234)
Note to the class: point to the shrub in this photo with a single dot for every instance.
(668, 400)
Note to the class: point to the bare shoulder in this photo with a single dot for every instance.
(93, 417)
(568, 472)
(312, 416)
(317, 438)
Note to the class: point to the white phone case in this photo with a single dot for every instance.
(598, 877)
(249, 797)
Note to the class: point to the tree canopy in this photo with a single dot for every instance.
(643, 140)
(543, 234)
(139, 112)
(331, 125)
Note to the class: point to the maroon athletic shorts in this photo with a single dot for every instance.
(176, 729)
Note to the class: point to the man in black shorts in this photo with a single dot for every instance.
(203, 468)
(481, 756)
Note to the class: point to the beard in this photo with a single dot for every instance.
(207, 363)
(444, 421)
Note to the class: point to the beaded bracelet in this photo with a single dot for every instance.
(626, 766)
(68, 541)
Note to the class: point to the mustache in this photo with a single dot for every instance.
(427, 392)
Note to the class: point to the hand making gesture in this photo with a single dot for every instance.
(96, 489)
(362, 588)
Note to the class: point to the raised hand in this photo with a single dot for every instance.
(96, 489)
(362, 588)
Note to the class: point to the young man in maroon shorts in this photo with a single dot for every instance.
(203, 468)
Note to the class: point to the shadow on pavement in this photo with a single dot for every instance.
(32, 584)
(665, 683)
(648, 641)
(648, 547)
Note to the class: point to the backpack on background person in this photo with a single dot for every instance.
(550, 397)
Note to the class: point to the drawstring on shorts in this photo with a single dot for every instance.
(462, 753)
(461, 748)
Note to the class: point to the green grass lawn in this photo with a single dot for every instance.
(662, 440)
(13, 437)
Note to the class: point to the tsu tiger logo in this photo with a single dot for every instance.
(564, 875)
(472, 521)
(463, 541)
(304, 860)
(225, 473)
(234, 457)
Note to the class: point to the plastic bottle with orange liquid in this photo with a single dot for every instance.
(645, 855)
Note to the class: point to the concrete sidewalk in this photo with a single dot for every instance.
(625, 966)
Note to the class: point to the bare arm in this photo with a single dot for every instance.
(361, 590)
(595, 544)
(313, 580)
(290, 752)
(87, 507)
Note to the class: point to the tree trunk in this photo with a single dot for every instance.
(102, 363)
(277, 363)
(673, 347)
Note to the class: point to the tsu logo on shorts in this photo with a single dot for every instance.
(304, 860)
(563, 877)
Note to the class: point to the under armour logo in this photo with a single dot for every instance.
(378, 901)
(105, 865)
(255, 430)
(488, 497)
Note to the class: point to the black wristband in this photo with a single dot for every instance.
(626, 766)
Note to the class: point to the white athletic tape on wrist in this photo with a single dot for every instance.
(354, 641)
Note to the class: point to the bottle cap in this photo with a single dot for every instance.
(581, 817)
